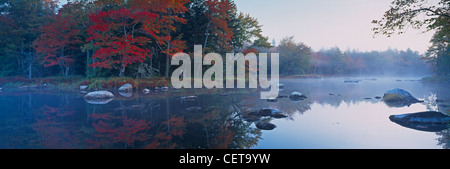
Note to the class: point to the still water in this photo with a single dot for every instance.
(335, 115)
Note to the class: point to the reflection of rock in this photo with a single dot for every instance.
(249, 117)
(99, 97)
(189, 98)
(265, 125)
(99, 101)
(424, 121)
(398, 98)
(126, 94)
(126, 88)
(297, 96)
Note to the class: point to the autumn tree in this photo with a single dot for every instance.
(58, 43)
(219, 15)
(421, 14)
(117, 33)
(163, 29)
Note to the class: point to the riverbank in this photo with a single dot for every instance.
(74, 83)
(437, 79)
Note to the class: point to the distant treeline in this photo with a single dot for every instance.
(298, 59)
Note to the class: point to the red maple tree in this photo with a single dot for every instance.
(218, 14)
(117, 33)
(164, 26)
(58, 42)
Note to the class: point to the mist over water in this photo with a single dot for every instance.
(338, 113)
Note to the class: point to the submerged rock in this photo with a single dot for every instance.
(275, 113)
(272, 100)
(399, 98)
(351, 81)
(297, 96)
(99, 97)
(430, 121)
(265, 125)
(126, 88)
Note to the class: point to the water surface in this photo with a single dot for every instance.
(335, 115)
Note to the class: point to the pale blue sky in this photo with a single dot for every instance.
(330, 23)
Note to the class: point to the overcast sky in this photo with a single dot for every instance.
(330, 23)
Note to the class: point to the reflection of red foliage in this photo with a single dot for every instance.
(53, 129)
(117, 129)
(164, 139)
(224, 137)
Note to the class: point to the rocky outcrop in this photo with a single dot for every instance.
(430, 121)
(126, 88)
(99, 97)
(398, 98)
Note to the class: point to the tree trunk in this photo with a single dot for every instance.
(122, 70)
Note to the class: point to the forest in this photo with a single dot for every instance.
(136, 38)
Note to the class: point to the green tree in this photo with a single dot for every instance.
(25, 18)
(295, 57)
(419, 14)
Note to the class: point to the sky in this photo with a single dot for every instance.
(322, 24)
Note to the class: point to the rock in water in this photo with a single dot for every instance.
(99, 97)
(430, 121)
(399, 98)
(146, 91)
(297, 96)
(126, 88)
(265, 125)
(275, 113)
(164, 88)
(84, 87)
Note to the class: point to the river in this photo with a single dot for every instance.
(334, 115)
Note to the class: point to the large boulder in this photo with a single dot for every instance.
(126, 88)
(399, 98)
(430, 121)
(99, 97)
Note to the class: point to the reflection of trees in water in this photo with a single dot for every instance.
(219, 125)
(61, 121)
(444, 138)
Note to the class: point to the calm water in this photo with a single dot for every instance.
(335, 115)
